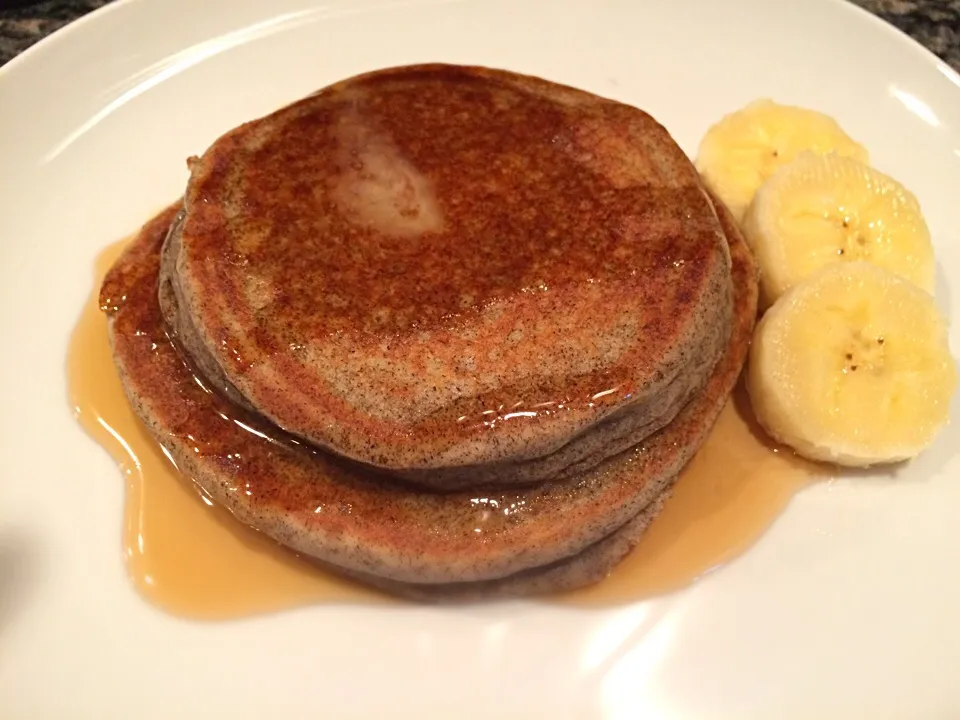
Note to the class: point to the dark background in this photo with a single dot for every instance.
(933, 23)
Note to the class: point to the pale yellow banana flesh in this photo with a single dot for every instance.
(853, 367)
(823, 209)
(743, 149)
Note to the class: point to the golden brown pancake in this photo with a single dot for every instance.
(459, 275)
(557, 535)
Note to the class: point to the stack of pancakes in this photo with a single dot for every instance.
(450, 331)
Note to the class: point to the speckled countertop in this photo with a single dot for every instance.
(934, 23)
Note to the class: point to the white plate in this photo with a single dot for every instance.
(848, 607)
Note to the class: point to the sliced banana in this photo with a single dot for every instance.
(746, 147)
(823, 209)
(852, 367)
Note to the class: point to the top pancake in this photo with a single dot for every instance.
(440, 267)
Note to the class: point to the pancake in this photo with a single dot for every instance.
(459, 275)
(406, 539)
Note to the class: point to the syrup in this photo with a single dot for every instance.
(182, 553)
(193, 559)
(727, 496)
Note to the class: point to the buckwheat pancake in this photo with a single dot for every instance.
(410, 540)
(459, 275)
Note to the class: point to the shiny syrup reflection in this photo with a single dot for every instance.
(193, 559)
(182, 554)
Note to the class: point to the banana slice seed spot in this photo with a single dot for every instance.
(866, 353)
(855, 242)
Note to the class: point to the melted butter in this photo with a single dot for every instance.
(193, 559)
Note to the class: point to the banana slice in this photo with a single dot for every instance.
(852, 366)
(744, 148)
(822, 209)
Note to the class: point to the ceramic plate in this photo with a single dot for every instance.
(847, 607)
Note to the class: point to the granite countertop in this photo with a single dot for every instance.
(934, 23)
